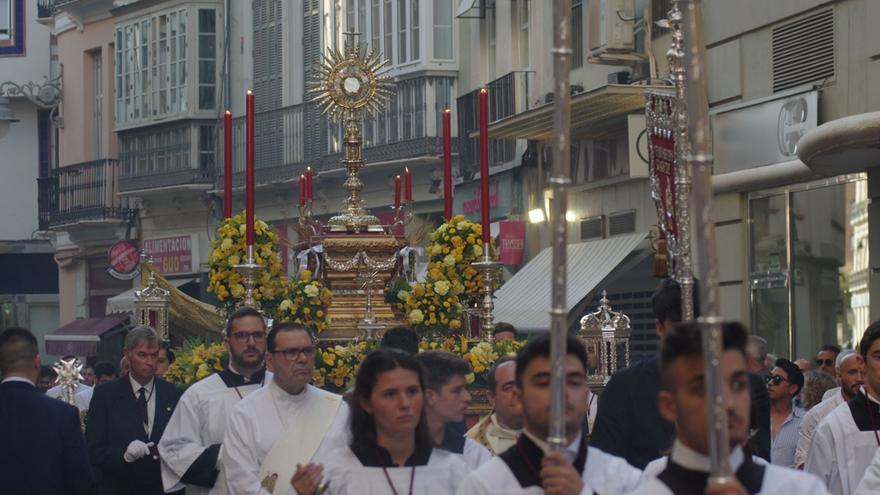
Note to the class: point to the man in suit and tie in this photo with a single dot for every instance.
(127, 417)
(42, 445)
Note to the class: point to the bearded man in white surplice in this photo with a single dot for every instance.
(190, 447)
(282, 426)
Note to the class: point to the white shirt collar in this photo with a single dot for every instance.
(689, 458)
(137, 386)
(571, 450)
(289, 399)
(18, 379)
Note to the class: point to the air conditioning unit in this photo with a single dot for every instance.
(611, 30)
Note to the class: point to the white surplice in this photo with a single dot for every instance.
(840, 452)
(777, 479)
(199, 421)
(346, 475)
(808, 425)
(603, 474)
(261, 419)
(870, 484)
(474, 455)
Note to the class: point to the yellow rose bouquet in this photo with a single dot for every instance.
(196, 359)
(305, 301)
(451, 249)
(432, 308)
(228, 249)
(336, 366)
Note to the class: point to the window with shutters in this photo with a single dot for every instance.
(414, 16)
(522, 24)
(268, 50)
(388, 29)
(375, 31)
(151, 67)
(6, 17)
(401, 28)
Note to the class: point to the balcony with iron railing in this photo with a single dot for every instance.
(508, 96)
(82, 193)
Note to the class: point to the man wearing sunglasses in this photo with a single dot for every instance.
(190, 446)
(783, 384)
(275, 433)
(826, 357)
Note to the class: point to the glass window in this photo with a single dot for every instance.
(6, 19)
(401, 29)
(350, 13)
(362, 20)
(442, 100)
(207, 147)
(443, 29)
(375, 31)
(523, 41)
(207, 59)
(769, 272)
(414, 11)
(97, 103)
(388, 28)
(577, 34)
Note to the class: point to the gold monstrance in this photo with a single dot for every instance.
(346, 87)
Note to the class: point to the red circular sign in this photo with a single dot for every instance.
(124, 257)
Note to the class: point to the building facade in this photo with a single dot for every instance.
(28, 90)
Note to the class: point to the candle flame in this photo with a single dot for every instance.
(483, 90)
(447, 111)
(228, 112)
(308, 168)
(250, 92)
(398, 177)
(302, 176)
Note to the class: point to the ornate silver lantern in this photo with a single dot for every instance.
(151, 306)
(605, 333)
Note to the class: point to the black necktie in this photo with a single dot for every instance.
(142, 405)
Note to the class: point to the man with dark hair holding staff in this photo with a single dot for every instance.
(530, 467)
(683, 402)
(127, 418)
(190, 447)
(273, 434)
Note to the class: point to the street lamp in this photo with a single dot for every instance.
(7, 116)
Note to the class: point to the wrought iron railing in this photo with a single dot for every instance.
(81, 192)
(508, 96)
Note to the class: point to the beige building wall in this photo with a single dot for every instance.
(76, 51)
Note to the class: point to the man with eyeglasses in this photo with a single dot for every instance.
(274, 434)
(190, 448)
(783, 384)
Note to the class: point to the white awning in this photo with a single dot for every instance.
(524, 300)
(124, 302)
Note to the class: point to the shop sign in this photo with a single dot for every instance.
(123, 258)
(171, 255)
(511, 242)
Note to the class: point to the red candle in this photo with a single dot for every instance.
(407, 181)
(249, 173)
(447, 164)
(302, 190)
(397, 192)
(484, 162)
(227, 164)
(310, 193)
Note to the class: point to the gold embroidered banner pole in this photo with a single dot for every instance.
(559, 181)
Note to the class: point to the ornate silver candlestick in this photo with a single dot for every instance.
(403, 215)
(369, 326)
(250, 272)
(488, 270)
(308, 226)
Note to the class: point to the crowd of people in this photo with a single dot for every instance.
(260, 427)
